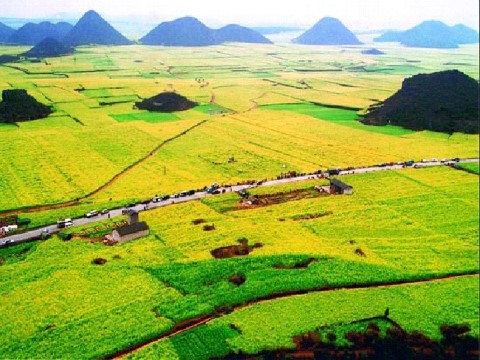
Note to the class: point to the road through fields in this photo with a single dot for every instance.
(51, 229)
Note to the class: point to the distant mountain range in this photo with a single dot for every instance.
(5, 32)
(328, 31)
(445, 101)
(432, 34)
(189, 31)
(32, 34)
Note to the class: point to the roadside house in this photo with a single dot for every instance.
(339, 187)
(131, 232)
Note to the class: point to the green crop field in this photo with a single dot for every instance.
(266, 119)
(407, 238)
(55, 293)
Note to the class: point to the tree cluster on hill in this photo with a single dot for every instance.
(397, 344)
(432, 34)
(445, 101)
(166, 102)
(18, 106)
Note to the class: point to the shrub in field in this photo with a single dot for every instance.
(99, 261)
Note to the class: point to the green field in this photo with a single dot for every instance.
(55, 293)
(264, 118)
(471, 167)
(274, 109)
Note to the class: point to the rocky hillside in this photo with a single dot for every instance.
(93, 29)
(17, 106)
(445, 101)
(328, 31)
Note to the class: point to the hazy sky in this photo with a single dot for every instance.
(356, 14)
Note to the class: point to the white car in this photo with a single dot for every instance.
(91, 214)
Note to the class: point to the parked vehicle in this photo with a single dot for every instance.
(130, 205)
(165, 197)
(62, 223)
(145, 201)
(183, 194)
(91, 214)
(156, 199)
(409, 163)
(191, 192)
(104, 211)
(7, 242)
(333, 171)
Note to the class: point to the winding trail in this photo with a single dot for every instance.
(204, 319)
(109, 183)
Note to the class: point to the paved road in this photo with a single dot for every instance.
(51, 229)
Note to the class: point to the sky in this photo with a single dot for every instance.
(355, 14)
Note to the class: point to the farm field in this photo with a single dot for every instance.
(259, 327)
(256, 105)
(54, 295)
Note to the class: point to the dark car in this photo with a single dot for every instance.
(165, 197)
(333, 171)
(130, 205)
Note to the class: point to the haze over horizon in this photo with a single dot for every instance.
(357, 15)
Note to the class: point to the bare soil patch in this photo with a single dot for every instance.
(242, 249)
(257, 201)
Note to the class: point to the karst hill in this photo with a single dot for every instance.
(49, 47)
(32, 34)
(189, 31)
(93, 29)
(445, 101)
(432, 34)
(328, 31)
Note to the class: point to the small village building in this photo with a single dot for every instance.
(339, 187)
(131, 232)
(133, 217)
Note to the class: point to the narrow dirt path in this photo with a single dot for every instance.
(107, 184)
(203, 319)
